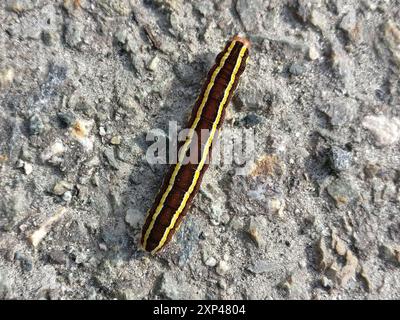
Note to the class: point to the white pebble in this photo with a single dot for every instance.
(67, 196)
(386, 131)
(153, 65)
(211, 262)
(54, 150)
(102, 131)
(276, 206)
(313, 53)
(28, 168)
(6, 77)
(222, 284)
(222, 268)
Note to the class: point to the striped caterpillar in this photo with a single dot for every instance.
(183, 179)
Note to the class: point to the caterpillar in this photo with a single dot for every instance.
(182, 180)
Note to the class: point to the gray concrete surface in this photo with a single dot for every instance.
(82, 82)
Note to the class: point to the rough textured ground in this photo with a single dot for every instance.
(82, 82)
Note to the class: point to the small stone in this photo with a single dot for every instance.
(225, 218)
(103, 246)
(121, 36)
(28, 168)
(215, 211)
(340, 159)
(342, 191)
(390, 254)
(313, 53)
(67, 196)
(339, 111)
(57, 257)
(236, 223)
(26, 154)
(115, 200)
(318, 19)
(95, 180)
(258, 193)
(6, 77)
(55, 149)
(210, 262)
(61, 187)
(222, 268)
(381, 95)
(133, 217)
(80, 129)
(83, 191)
(174, 21)
(109, 154)
(222, 284)
(153, 65)
(49, 38)
(80, 132)
(39, 234)
(386, 131)
(341, 64)
(102, 131)
(297, 69)
(254, 233)
(116, 140)
(74, 34)
(324, 257)
(339, 246)
(128, 103)
(326, 283)
(19, 164)
(251, 120)
(276, 206)
(129, 40)
(81, 257)
(36, 125)
(350, 26)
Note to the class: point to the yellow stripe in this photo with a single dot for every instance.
(205, 153)
(187, 143)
